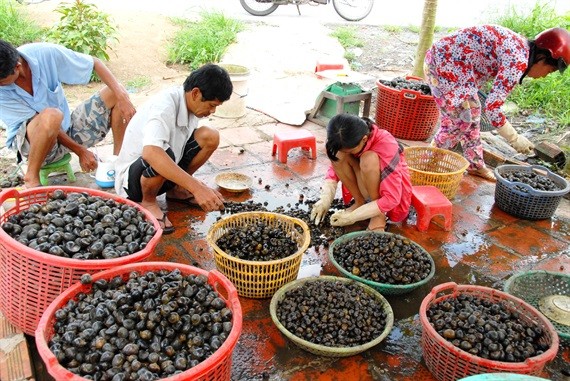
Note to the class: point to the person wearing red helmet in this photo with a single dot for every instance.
(458, 65)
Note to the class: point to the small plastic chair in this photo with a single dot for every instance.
(62, 165)
(283, 141)
(430, 202)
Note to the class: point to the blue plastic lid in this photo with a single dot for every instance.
(502, 377)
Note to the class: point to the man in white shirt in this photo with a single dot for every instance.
(163, 147)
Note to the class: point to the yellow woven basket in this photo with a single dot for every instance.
(436, 166)
(259, 279)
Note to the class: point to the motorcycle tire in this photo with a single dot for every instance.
(352, 10)
(257, 8)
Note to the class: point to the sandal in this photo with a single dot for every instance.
(165, 229)
(190, 201)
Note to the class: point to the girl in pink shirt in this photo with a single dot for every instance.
(370, 164)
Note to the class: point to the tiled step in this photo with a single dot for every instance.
(15, 364)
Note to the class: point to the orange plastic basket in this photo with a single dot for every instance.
(448, 363)
(215, 368)
(406, 114)
(439, 167)
(29, 279)
(259, 279)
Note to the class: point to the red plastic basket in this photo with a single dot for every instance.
(29, 279)
(448, 363)
(216, 367)
(406, 114)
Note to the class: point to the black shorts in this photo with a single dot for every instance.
(141, 168)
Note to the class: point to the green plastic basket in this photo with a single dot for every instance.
(383, 288)
(532, 286)
(323, 350)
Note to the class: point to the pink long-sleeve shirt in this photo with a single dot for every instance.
(396, 189)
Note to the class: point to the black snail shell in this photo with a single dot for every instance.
(383, 258)
(145, 327)
(485, 328)
(332, 313)
(80, 226)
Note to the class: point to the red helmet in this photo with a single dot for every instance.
(557, 42)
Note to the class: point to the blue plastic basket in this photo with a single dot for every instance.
(523, 201)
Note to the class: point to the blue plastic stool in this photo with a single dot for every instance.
(62, 165)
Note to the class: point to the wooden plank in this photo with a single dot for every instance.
(15, 363)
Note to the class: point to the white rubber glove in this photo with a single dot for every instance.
(366, 211)
(518, 142)
(321, 207)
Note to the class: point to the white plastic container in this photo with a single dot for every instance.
(235, 106)
(105, 174)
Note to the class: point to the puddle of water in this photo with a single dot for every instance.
(471, 243)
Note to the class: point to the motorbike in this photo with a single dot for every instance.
(350, 10)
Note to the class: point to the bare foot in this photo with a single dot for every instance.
(30, 185)
(484, 172)
(163, 220)
(377, 223)
(179, 193)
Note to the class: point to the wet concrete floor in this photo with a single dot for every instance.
(485, 247)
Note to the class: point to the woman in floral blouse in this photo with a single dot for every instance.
(458, 65)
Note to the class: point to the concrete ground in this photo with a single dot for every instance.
(484, 247)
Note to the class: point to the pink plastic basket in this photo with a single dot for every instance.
(448, 363)
(215, 368)
(29, 279)
(406, 114)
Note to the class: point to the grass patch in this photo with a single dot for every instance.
(15, 25)
(138, 83)
(204, 41)
(393, 28)
(413, 28)
(348, 37)
(550, 95)
(530, 23)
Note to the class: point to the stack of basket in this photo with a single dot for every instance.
(439, 167)
(406, 114)
(30, 279)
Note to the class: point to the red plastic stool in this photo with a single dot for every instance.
(285, 140)
(429, 202)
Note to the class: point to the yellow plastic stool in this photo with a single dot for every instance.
(62, 165)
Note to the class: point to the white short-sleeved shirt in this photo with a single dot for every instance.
(163, 121)
(51, 65)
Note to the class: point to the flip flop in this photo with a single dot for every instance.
(165, 229)
(190, 201)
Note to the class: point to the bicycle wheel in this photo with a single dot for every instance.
(353, 10)
(258, 8)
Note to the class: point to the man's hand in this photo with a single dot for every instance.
(87, 160)
(209, 199)
(126, 108)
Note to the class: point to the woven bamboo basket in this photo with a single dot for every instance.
(259, 279)
(439, 167)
